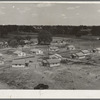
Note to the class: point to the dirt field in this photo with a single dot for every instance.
(66, 76)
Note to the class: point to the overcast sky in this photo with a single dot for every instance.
(49, 14)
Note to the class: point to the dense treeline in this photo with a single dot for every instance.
(5, 30)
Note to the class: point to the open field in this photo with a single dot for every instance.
(71, 75)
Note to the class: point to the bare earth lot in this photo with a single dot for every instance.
(67, 76)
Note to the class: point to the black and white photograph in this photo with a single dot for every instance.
(49, 46)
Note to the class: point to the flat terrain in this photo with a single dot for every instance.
(72, 75)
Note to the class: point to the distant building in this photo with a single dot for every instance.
(55, 56)
(26, 46)
(37, 51)
(22, 62)
(1, 54)
(26, 41)
(1, 62)
(19, 63)
(97, 50)
(20, 53)
(53, 48)
(70, 47)
(79, 55)
(51, 62)
(86, 52)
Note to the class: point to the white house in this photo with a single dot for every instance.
(26, 46)
(18, 63)
(26, 41)
(37, 51)
(1, 62)
(70, 47)
(17, 51)
(79, 55)
(86, 52)
(53, 48)
(1, 54)
(97, 50)
(20, 53)
(55, 56)
(51, 62)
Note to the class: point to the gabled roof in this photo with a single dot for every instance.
(71, 46)
(35, 50)
(79, 54)
(21, 61)
(53, 61)
(98, 49)
(85, 51)
(58, 55)
(1, 54)
(17, 51)
(53, 47)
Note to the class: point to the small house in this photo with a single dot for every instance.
(20, 53)
(55, 56)
(79, 55)
(51, 62)
(70, 47)
(1, 54)
(86, 52)
(97, 50)
(19, 63)
(37, 51)
(26, 46)
(26, 41)
(54, 49)
(1, 62)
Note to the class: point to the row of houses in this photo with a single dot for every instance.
(23, 62)
(54, 60)
(83, 53)
(55, 48)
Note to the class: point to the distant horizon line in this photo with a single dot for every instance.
(44, 25)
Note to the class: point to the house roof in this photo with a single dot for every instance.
(85, 51)
(79, 54)
(30, 59)
(71, 46)
(17, 51)
(21, 61)
(1, 54)
(98, 49)
(53, 47)
(44, 61)
(58, 55)
(53, 61)
(35, 50)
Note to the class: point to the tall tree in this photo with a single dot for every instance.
(44, 37)
(13, 43)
